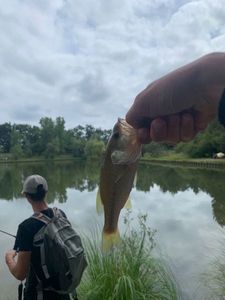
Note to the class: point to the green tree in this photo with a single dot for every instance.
(16, 143)
(28, 138)
(47, 133)
(51, 138)
(34, 140)
(89, 131)
(51, 149)
(94, 148)
(60, 133)
(78, 148)
(102, 135)
(154, 149)
(5, 137)
(78, 132)
(206, 143)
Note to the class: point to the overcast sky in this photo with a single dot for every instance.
(86, 60)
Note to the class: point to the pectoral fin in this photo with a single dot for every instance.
(99, 205)
(128, 204)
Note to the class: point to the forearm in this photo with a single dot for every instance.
(16, 273)
(18, 267)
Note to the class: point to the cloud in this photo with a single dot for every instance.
(92, 88)
(87, 60)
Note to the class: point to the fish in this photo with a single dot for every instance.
(117, 175)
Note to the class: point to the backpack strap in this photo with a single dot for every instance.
(46, 220)
(57, 213)
(41, 217)
(40, 295)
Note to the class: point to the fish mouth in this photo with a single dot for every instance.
(130, 152)
(123, 158)
(127, 129)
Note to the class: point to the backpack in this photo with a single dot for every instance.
(61, 252)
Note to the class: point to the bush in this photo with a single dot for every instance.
(16, 151)
(154, 149)
(129, 271)
(210, 141)
(94, 148)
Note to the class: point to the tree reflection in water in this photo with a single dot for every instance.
(85, 176)
(178, 179)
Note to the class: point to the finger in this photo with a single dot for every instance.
(187, 127)
(138, 115)
(201, 120)
(158, 130)
(144, 135)
(173, 129)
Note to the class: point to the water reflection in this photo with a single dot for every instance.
(178, 179)
(180, 205)
(60, 176)
(85, 177)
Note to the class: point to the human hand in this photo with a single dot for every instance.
(177, 106)
(9, 256)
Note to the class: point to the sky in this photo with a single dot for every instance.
(86, 60)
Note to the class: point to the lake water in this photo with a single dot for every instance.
(185, 206)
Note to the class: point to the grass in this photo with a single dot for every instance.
(180, 159)
(8, 158)
(129, 271)
(174, 156)
(214, 278)
(167, 155)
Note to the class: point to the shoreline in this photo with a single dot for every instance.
(37, 159)
(189, 163)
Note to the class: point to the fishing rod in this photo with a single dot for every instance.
(7, 233)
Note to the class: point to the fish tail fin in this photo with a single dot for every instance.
(99, 205)
(110, 240)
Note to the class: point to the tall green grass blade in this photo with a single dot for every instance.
(129, 272)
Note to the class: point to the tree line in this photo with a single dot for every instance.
(204, 145)
(51, 138)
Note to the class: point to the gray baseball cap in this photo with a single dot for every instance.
(32, 182)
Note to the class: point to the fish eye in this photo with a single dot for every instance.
(116, 134)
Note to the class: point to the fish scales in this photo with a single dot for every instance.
(115, 190)
(117, 176)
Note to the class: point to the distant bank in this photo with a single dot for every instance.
(8, 159)
(192, 163)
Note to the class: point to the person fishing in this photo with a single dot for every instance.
(180, 104)
(24, 260)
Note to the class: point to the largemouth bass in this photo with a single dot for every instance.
(117, 176)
